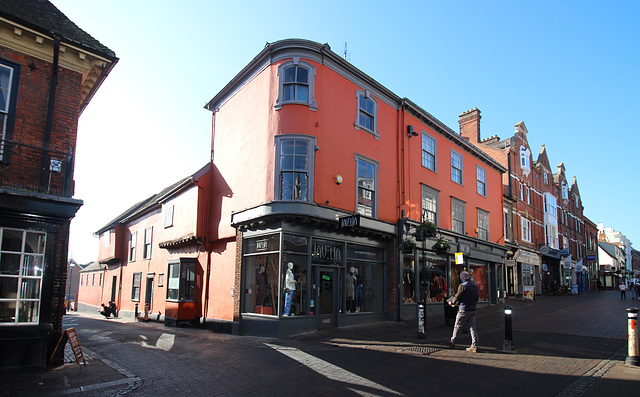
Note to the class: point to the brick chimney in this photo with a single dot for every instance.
(470, 125)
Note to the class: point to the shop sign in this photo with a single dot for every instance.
(327, 251)
(261, 245)
(464, 248)
(544, 250)
(459, 258)
(591, 259)
(348, 222)
(566, 262)
(564, 251)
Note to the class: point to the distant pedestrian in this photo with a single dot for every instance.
(634, 290)
(599, 285)
(623, 290)
(466, 298)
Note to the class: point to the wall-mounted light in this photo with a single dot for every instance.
(411, 132)
(338, 179)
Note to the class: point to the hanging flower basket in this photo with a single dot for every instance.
(425, 230)
(441, 247)
(407, 245)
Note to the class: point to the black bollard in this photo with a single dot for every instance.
(632, 357)
(421, 320)
(508, 329)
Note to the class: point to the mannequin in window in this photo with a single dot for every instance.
(358, 290)
(289, 288)
(261, 286)
(351, 281)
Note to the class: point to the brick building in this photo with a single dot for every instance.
(544, 224)
(49, 71)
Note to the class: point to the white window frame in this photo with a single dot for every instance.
(106, 238)
(373, 190)
(298, 63)
(481, 181)
(279, 171)
(430, 204)
(458, 224)
(132, 246)
(483, 225)
(30, 261)
(148, 238)
(457, 168)
(7, 112)
(168, 215)
(525, 229)
(136, 285)
(429, 152)
(374, 115)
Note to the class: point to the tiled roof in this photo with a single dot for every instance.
(42, 16)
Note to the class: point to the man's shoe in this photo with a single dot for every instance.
(452, 345)
(472, 349)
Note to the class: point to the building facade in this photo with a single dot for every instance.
(49, 71)
(153, 259)
(329, 174)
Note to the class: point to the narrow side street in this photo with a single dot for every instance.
(564, 346)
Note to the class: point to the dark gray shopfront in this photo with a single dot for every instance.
(300, 276)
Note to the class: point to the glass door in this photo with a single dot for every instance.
(326, 299)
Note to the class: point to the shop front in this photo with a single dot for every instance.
(529, 273)
(551, 270)
(300, 276)
(431, 277)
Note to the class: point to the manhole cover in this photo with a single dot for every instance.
(421, 349)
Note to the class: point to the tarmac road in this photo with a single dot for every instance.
(564, 346)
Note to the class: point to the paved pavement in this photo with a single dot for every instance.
(563, 346)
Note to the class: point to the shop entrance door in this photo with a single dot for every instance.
(326, 296)
(148, 298)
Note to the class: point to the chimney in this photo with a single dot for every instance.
(470, 125)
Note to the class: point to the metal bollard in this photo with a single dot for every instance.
(508, 329)
(421, 320)
(633, 353)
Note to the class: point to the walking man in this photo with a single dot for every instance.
(466, 298)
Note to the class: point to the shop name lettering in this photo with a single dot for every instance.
(327, 252)
(349, 221)
(261, 245)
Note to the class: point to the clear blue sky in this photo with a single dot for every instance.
(568, 69)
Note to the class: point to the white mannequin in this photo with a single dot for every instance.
(290, 278)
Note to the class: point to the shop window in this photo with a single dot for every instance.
(294, 167)
(364, 279)
(478, 274)
(21, 270)
(296, 84)
(181, 279)
(431, 283)
(294, 284)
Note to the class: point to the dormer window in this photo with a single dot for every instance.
(296, 79)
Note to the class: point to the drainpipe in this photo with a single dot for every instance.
(44, 168)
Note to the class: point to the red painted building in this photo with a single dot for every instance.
(325, 173)
(49, 71)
